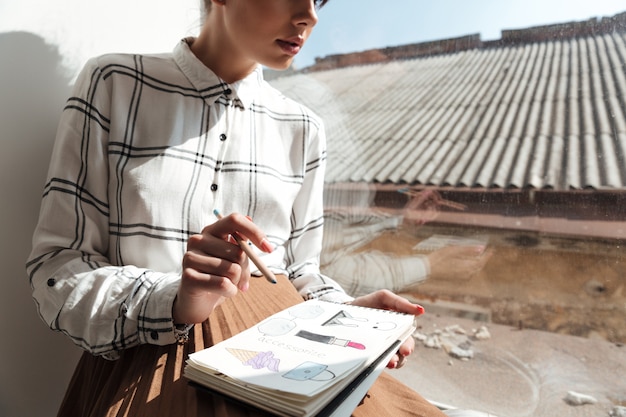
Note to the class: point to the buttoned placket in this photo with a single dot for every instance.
(223, 128)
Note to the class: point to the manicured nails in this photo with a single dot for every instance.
(266, 246)
(420, 309)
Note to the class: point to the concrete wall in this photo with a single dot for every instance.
(35, 362)
(39, 57)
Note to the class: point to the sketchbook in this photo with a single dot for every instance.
(316, 358)
(436, 242)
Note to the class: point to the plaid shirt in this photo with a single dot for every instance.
(147, 147)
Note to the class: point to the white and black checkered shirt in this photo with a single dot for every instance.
(147, 147)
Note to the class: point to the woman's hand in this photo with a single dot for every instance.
(386, 300)
(215, 267)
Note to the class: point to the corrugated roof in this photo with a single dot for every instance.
(545, 114)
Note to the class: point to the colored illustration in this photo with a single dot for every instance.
(330, 340)
(257, 360)
(280, 326)
(308, 371)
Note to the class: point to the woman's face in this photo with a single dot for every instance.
(268, 32)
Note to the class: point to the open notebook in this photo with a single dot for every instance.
(315, 358)
(436, 242)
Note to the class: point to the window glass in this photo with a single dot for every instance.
(476, 164)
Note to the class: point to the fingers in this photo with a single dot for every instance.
(401, 361)
(216, 251)
(242, 226)
(215, 267)
(199, 265)
(387, 300)
(401, 356)
(398, 361)
(214, 262)
(210, 257)
(206, 252)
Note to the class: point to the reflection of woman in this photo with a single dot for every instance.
(351, 222)
(127, 255)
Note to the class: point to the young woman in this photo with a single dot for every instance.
(128, 255)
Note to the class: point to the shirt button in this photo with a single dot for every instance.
(154, 335)
(223, 137)
(214, 187)
(51, 282)
(228, 91)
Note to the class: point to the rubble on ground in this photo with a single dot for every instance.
(576, 398)
(453, 339)
(618, 411)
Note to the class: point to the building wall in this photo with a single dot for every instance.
(39, 58)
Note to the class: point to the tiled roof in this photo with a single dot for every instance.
(547, 114)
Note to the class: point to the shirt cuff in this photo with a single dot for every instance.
(155, 324)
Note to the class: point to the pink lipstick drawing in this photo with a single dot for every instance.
(330, 340)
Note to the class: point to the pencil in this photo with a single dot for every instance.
(269, 275)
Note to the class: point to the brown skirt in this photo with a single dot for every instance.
(147, 380)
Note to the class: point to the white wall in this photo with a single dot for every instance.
(33, 360)
(42, 46)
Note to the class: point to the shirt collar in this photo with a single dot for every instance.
(209, 84)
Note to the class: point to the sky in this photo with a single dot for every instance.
(356, 25)
(82, 29)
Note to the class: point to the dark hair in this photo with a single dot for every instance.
(318, 3)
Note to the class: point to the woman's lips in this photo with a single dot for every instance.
(291, 48)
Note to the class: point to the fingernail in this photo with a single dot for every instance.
(266, 246)
(245, 287)
(420, 309)
(249, 218)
